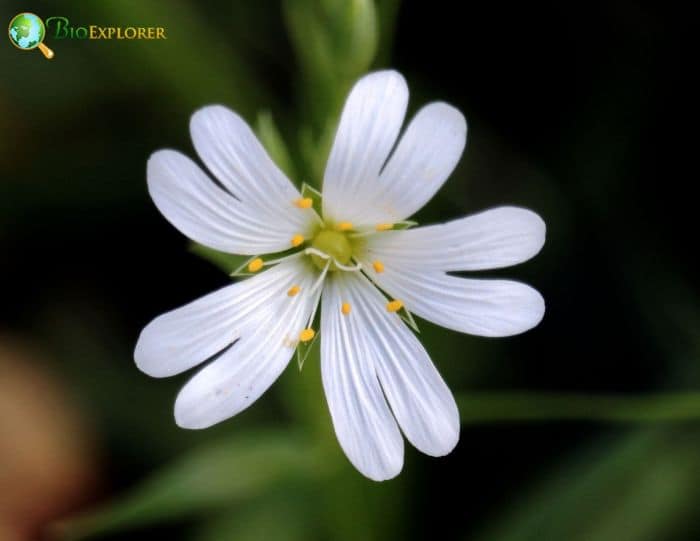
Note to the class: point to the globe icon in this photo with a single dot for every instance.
(27, 31)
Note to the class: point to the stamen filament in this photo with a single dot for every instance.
(316, 292)
(352, 268)
(319, 253)
(405, 224)
(320, 278)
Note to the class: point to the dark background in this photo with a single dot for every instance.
(581, 113)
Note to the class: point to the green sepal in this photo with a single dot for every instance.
(312, 193)
(303, 350)
(404, 224)
(408, 319)
(240, 270)
(226, 262)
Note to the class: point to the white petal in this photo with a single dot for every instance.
(423, 160)
(187, 336)
(489, 240)
(234, 380)
(418, 396)
(473, 306)
(230, 150)
(363, 423)
(202, 211)
(369, 126)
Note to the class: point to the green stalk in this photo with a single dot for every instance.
(489, 407)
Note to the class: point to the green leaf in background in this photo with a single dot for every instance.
(335, 42)
(272, 140)
(489, 407)
(638, 488)
(387, 11)
(211, 72)
(214, 476)
(226, 262)
(279, 517)
(315, 151)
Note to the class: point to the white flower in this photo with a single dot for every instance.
(376, 374)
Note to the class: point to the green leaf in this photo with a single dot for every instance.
(281, 515)
(335, 42)
(212, 477)
(274, 144)
(489, 407)
(387, 11)
(638, 488)
(211, 72)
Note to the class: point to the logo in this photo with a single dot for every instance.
(27, 32)
(62, 29)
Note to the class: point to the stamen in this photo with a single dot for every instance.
(304, 202)
(351, 268)
(306, 334)
(293, 291)
(297, 240)
(378, 266)
(394, 306)
(405, 224)
(345, 309)
(255, 265)
(316, 292)
(344, 226)
(319, 253)
(320, 278)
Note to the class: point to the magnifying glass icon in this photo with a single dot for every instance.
(27, 32)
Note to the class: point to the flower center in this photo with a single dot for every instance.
(333, 243)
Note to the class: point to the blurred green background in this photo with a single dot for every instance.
(585, 428)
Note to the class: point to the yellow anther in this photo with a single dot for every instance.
(344, 226)
(306, 335)
(384, 227)
(394, 306)
(304, 202)
(297, 240)
(255, 265)
(378, 266)
(293, 290)
(345, 309)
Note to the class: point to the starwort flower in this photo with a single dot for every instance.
(349, 251)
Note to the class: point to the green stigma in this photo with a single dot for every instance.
(333, 243)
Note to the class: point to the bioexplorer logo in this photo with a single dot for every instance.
(61, 28)
(27, 31)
